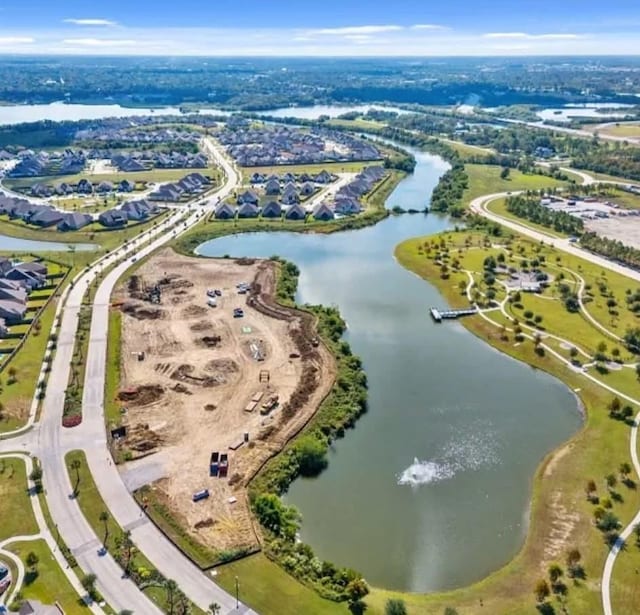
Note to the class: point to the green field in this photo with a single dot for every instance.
(622, 129)
(485, 179)
(267, 589)
(47, 582)
(594, 452)
(15, 502)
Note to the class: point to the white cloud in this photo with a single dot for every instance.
(16, 40)
(428, 26)
(99, 42)
(350, 30)
(524, 35)
(91, 22)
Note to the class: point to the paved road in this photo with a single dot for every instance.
(479, 206)
(50, 441)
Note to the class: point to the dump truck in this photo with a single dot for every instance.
(224, 465)
(269, 405)
(213, 464)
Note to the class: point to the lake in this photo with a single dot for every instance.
(8, 244)
(431, 490)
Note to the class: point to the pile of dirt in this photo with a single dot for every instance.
(180, 297)
(222, 366)
(209, 341)
(184, 373)
(302, 393)
(174, 282)
(142, 395)
(142, 439)
(194, 311)
(247, 262)
(180, 388)
(201, 325)
(200, 525)
(143, 312)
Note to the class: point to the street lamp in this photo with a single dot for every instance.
(237, 588)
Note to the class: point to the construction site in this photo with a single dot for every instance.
(215, 379)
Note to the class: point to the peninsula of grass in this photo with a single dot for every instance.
(15, 500)
(45, 581)
(599, 449)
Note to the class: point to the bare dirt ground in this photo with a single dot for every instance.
(193, 391)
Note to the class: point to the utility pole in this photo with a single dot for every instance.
(237, 591)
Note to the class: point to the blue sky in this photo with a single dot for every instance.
(325, 27)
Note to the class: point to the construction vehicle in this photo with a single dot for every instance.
(269, 405)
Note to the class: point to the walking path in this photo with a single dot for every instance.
(479, 206)
(44, 534)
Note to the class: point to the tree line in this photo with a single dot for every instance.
(531, 209)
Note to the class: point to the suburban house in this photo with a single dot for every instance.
(248, 197)
(138, 210)
(126, 185)
(272, 187)
(290, 195)
(46, 217)
(224, 211)
(307, 189)
(248, 210)
(272, 209)
(347, 206)
(112, 218)
(295, 212)
(74, 221)
(16, 282)
(322, 211)
(35, 607)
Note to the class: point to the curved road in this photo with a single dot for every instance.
(479, 206)
(51, 442)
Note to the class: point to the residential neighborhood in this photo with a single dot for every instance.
(17, 281)
(280, 145)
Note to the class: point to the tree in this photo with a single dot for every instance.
(76, 464)
(611, 481)
(104, 517)
(12, 372)
(214, 608)
(555, 573)
(504, 174)
(449, 610)
(574, 569)
(625, 470)
(395, 606)
(541, 590)
(89, 582)
(609, 522)
(171, 588)
(32, 560)
(311, 454)
(282, 520)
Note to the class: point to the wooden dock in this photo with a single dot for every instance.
(440, 315)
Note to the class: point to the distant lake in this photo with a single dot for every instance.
(315, 111)
(589, 110)
(9, 244)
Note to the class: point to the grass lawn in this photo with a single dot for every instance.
(357, 124)
(465, 150)
(485, 179)
(47, 583)
(112, 413)
(622, 129)
(267, 589)
(558, 500)
(15, 502)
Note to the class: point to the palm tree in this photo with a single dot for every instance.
(127, 543)
(104, 517)
(172, 589)
(76, 464)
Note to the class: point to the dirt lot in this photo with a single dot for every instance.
(192, 393)
(626, 229)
